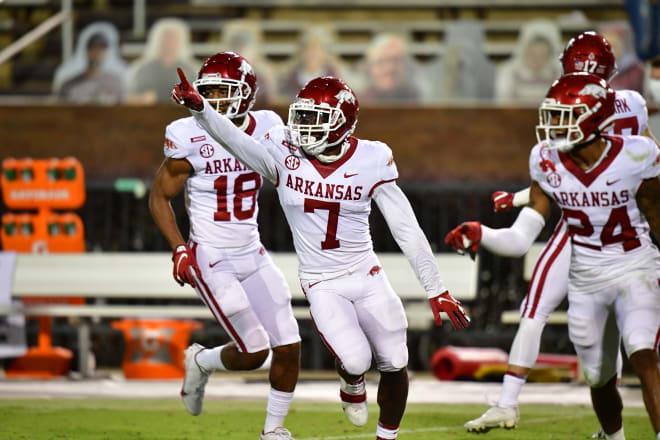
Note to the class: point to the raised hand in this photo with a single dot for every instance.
(185, 94)
(452, 307)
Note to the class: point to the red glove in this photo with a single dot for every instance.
(185, 94)
(452, 307)
(465, 237)
(502, 201)
(184, 265)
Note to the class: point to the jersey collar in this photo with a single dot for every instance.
(588, 177)
(325, 169)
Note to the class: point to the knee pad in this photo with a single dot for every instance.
(526, 345)
(257, 340)
(598, 376)
(395, 360)
(356, 364)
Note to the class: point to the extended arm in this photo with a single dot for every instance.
(248, 150)
(514, 241)
(401, 220)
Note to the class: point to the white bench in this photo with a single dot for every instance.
(149, 276)
(513, 316)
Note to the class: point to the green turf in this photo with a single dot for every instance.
(238, 420)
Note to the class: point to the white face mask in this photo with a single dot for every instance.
(654, 89)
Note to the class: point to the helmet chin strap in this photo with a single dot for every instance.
(324, 158)
(245, 123)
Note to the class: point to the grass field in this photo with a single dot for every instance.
(239, 420)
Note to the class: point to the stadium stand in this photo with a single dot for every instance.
(424, 21)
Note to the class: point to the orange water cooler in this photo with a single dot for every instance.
(34, 189)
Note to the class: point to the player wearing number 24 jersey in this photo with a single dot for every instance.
(326, 180)
(224, 260)
(608, 188)
(591, 52)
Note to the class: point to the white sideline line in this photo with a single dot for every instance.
(438, 428)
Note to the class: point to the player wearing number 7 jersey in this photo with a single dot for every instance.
(607, 186)
(224, 260)
(326, 180)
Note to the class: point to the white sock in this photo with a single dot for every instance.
(658, 436)
(384, 432)
(617, 435)
(210, 359)
(278, 408)
(511, 386)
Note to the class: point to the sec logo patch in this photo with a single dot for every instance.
(292, 162)
(206, 150)
(554, 180)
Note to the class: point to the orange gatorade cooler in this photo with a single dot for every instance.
(154, 347)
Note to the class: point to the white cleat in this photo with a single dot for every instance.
(599, 434)
(357, 412)
(194, 381)
(278, 433)
(495, 417)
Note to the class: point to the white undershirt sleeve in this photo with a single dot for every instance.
(247, 149)
(402, 222)
(516, 240)
(521, 198)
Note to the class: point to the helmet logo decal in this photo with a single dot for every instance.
(594, 90)
(345, 96)
(245, 68)
(206, 150)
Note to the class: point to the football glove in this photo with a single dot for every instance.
(185, 94)
(184, 265)
(465, 237)
(452, 307)
(502, 201)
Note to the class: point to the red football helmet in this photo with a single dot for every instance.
(233, 71)
(589, 52)
(324, 114)
(577, 108)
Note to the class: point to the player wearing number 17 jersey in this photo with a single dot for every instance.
(326, 180)
(608, 188)
(224, 259)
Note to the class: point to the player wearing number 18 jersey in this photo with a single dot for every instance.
(608, 188)
(224, 260)
(326, 180)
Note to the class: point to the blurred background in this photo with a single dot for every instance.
(452, 86)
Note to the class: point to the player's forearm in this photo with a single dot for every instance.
(521, 198)
(163, 215)
(236, 141)
(409, 236)
(648, 200)
(516, 240)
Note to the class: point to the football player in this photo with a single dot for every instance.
(587, 52)
(607, 186)
(326, 180)
(224, 259)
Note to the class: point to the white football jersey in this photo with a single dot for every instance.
(609, 234)
(221, 194)
(631, 114)
(328, 205)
